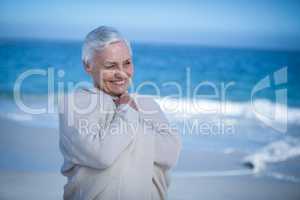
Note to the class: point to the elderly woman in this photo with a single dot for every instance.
(115, 146)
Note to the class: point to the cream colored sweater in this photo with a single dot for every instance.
(115, 153)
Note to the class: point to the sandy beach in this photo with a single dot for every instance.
(30, 163)
(48, 186)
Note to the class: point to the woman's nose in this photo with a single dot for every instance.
(120, 74)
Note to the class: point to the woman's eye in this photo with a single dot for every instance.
(128, 63)
(109, 66)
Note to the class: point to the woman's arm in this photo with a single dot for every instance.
(95, 141)
(167, 141)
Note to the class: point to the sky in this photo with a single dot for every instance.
(260, 24)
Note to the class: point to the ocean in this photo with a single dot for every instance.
(221, 99)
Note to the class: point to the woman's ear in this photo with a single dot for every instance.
(87, 66)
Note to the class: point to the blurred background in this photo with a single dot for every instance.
(233, 43)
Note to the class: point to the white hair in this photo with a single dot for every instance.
(98, 39)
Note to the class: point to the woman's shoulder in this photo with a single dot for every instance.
(85, 101)
(146, 103)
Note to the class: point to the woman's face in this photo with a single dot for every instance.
(112, 69)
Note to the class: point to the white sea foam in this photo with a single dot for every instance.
(45, 120)
(283, 177)
(177, 109)
(197, 174)
(183, 108)
(274, 152)
(18, 116)
(229, 150)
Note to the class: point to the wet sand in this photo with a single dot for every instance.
(30, 162)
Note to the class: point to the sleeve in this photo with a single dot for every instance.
(98, 143)
(167, 141)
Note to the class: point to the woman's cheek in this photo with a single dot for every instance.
(107, 75)
(129, 71)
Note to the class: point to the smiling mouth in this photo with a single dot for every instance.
(120, 82)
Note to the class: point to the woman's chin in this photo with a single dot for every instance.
(118, 92)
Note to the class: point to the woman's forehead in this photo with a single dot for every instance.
(114, 52)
